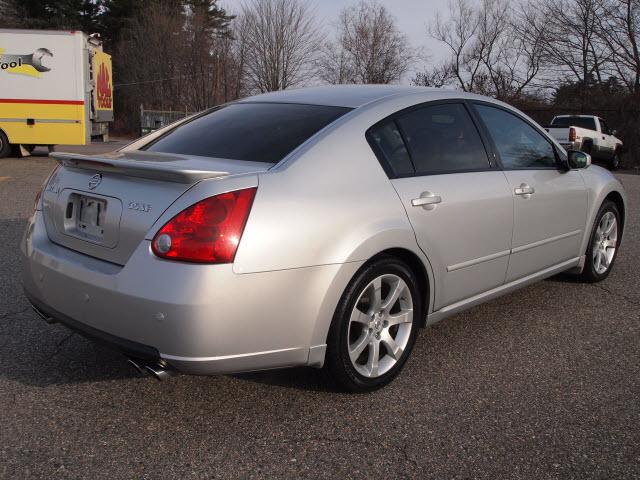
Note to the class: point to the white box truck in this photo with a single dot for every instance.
(55, 88)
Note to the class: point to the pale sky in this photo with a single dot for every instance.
(412, 17)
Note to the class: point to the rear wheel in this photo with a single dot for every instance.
(603, 244)
(5, 148)
(375, 326)
(614, 162)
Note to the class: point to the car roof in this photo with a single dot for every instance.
(352, 96)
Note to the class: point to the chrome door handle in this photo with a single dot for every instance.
(427, 201)
(524, 190)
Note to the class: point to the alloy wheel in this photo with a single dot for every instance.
(605, 242)
(380, 325)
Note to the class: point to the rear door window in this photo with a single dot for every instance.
(442, 138)
(385, 138)
(257, 132)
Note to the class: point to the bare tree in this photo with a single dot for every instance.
(369, 49)
(619, 27)
(236, 84)
(151, 57)
(207, 63)
(571, 41)
(281, 39)
(437, 76)
(492, 48)
(512, 50)
(458, 33)
(526, 58)
(175, 55)
(335, 65)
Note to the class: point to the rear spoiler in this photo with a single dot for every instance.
(152, 165)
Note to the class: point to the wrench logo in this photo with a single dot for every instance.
(10, 61)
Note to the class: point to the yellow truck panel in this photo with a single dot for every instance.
(56, 87)
(34, 123)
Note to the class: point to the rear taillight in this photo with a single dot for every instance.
(572, 134)
(36, 203)
(208, 231)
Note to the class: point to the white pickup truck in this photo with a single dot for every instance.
(589, 134)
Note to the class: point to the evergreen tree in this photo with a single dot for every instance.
(217, 21)
(115, 16)
(58, 14)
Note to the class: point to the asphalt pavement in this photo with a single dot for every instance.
(543, 383)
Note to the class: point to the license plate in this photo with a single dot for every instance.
(90, 216)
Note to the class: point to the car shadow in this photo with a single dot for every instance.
(34, 352)
(565, 278)
(299, 378)
(37, 354)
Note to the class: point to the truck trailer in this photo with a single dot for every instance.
(55, 88)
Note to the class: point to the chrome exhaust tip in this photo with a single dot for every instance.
(138, 366)
(42, 315)
(160, 372)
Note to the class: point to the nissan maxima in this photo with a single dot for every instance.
(320, 227)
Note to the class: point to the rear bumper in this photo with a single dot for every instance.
(127, 347)
(200, 319)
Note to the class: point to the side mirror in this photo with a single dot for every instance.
(578, 159)
(614, 132)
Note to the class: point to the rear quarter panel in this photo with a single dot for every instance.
(332, 204)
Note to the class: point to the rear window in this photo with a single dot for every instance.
(582, 122)
(256, 132)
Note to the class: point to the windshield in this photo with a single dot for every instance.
(257, 132)
(582, 122)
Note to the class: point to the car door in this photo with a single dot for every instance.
(459, 205)
(550, 205)
(607, 141)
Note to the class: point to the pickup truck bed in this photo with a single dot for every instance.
(589, 134)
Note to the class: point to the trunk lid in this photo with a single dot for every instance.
(103, 206)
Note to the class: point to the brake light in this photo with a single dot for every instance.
(36, 202)
(572, 134)
(208, 231)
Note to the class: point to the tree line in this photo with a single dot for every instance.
(505, 49)
(194, 54)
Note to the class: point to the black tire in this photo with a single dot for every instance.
(587, 146)
(5, 148)
(614, 162)
(590, 273)
(338, 365)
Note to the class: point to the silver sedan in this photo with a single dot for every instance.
(318, 227)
